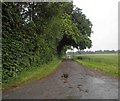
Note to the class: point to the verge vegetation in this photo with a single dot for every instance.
(33, 73)
(106, 63)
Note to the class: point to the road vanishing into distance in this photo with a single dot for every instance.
(80, 83)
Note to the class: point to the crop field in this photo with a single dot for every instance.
(106, 63)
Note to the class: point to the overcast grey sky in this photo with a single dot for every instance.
(104, 16)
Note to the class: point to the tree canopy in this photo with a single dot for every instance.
(33, 33)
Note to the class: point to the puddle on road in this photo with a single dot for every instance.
(97, 80)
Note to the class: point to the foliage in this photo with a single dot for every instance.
(35, 33)
(34, 73)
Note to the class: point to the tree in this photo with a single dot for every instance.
(77, 31)
(34, 33)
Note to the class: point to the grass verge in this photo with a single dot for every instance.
(106, 63)
(33, 74)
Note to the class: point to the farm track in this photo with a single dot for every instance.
(81, 83)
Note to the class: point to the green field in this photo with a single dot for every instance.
(106, 63)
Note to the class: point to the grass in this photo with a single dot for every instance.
(33, 74)
(106, 63)
(0, 75)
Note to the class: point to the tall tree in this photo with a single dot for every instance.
(34, 33)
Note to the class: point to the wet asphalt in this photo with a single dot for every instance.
(81, 83)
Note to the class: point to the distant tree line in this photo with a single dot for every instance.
(93, 52)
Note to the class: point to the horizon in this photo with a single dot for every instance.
(75, 50)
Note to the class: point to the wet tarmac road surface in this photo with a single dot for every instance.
(81, 83)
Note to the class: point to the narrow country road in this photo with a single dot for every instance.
(82, 83)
